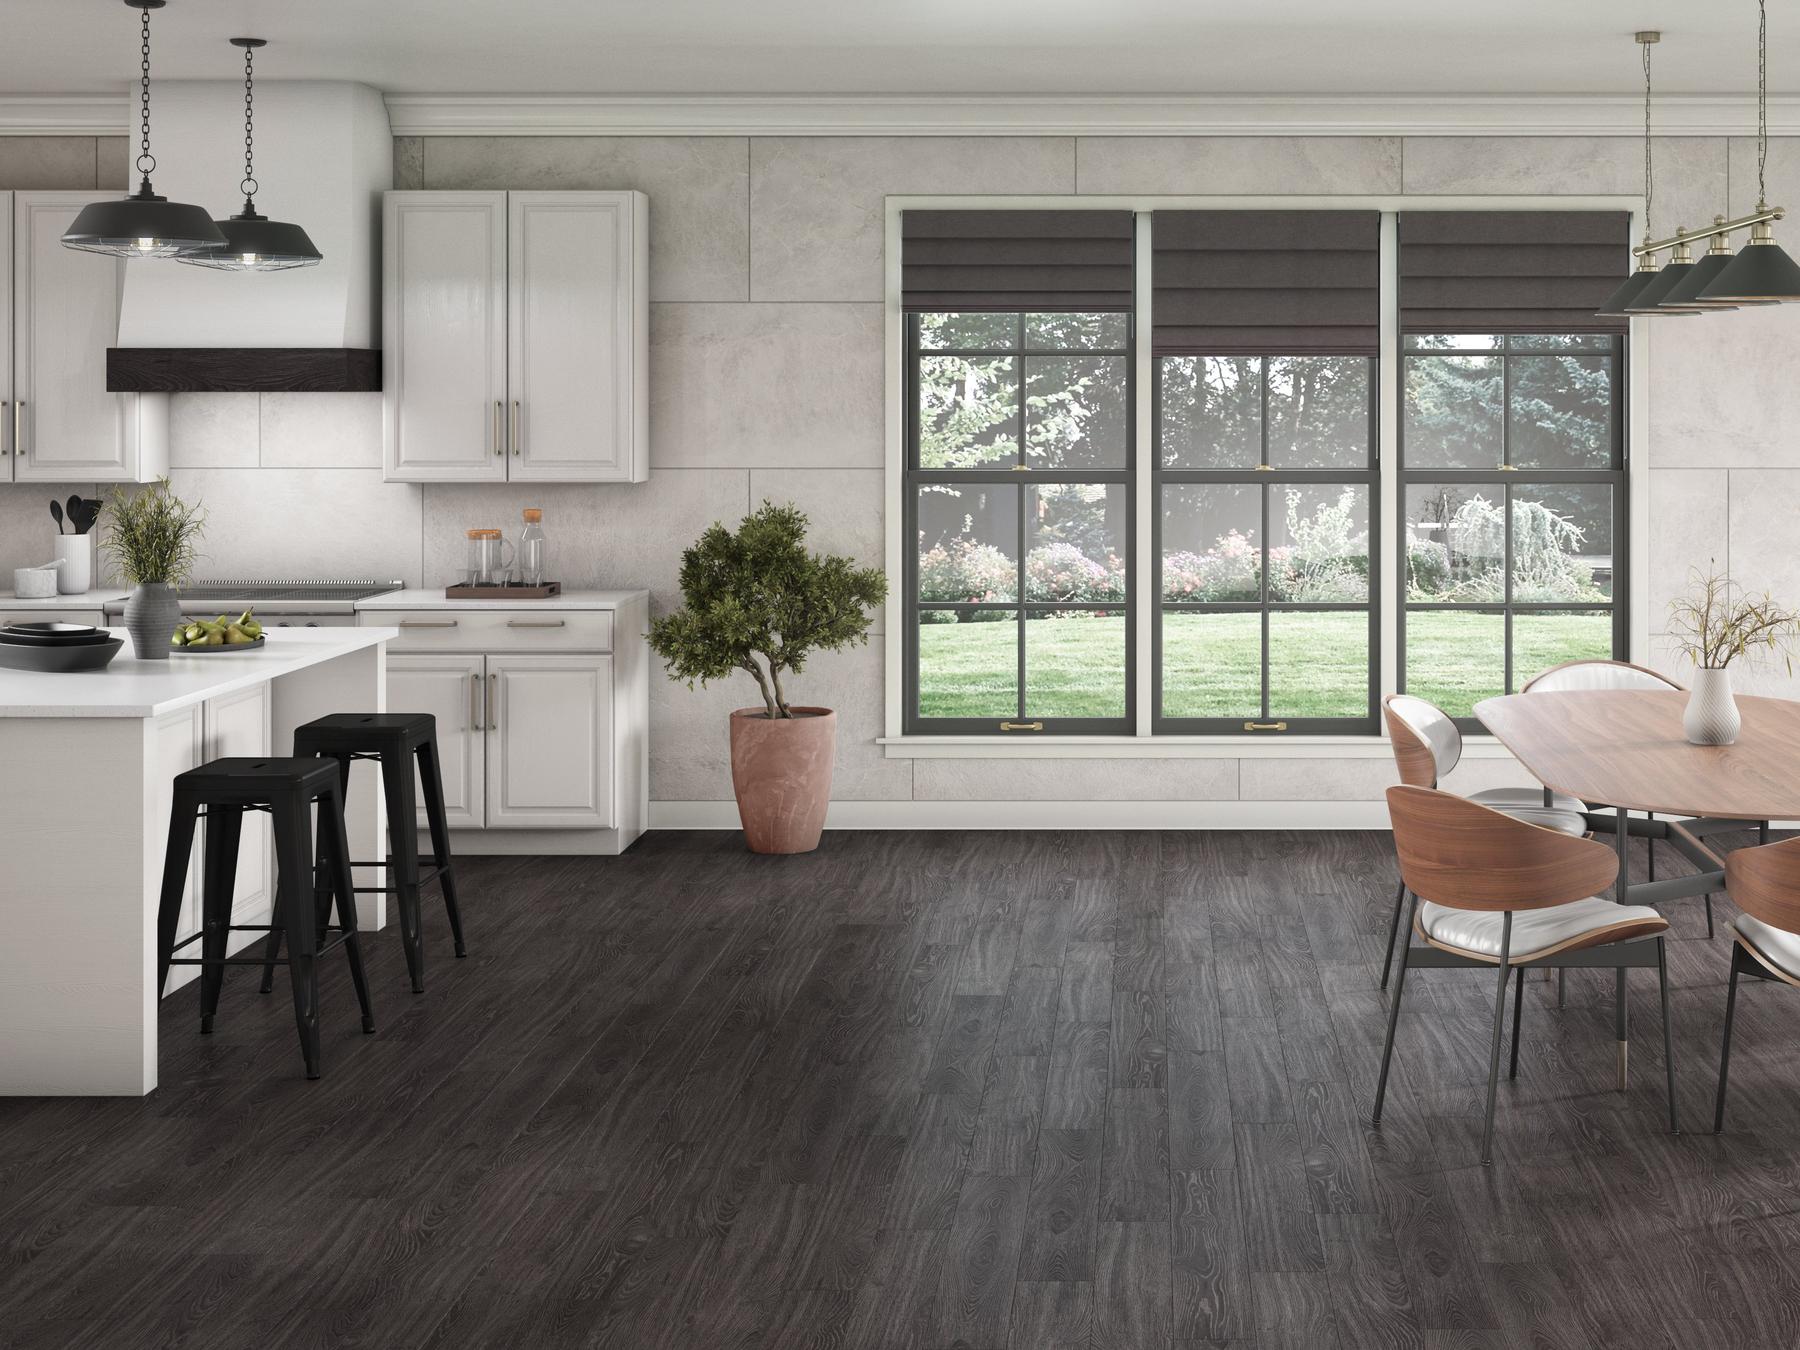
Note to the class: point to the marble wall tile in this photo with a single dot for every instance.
(784, 386)
(1721, 390)
(817, 209)
(844, 507)
(213, 431)
(1688, 529)
(304, 522)
(409, 162)
(27, 532)
(690, 748)
(699, 188)
(1228, 165)
(321, 431)
(1051, 780)
(1355, 780)
(47, 162)
(1764, 524)
(112, 163)
(600, 535)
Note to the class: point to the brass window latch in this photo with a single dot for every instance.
(1265, 726)
(1021, 726)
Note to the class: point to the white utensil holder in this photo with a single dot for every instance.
(76, 574)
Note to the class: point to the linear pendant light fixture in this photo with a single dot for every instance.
(254, 243)
(1626, 300)
(143, 225)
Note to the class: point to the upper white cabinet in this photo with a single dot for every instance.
(515, 336)
(60, 424)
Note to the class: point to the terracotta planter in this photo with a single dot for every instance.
(781, 773)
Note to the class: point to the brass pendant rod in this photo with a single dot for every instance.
(1725, 227)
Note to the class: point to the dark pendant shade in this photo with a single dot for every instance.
(1686, 292)
(143, 226)
(1761, 271)
(255, 243)
(1654, 298)
(1614, 304)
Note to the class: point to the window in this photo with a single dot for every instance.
(1512, 482)
(1266, 491)
(1019, 502)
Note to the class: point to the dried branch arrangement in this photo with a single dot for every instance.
(1718, 622)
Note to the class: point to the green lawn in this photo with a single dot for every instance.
(1318, 663)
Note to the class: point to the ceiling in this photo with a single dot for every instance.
(849, 47)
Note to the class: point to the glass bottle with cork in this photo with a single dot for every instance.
(531, 553)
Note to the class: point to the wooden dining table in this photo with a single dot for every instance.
(1624, 750)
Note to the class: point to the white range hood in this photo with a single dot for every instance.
(324, 155)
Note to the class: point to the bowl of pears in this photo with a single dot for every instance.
(209, 637)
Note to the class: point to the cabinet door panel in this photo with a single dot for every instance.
(451, 689)
(550, 742)
(444, 335)
(572, 334)
(6, 355)
(65, 316)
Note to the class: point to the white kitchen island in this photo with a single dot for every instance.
(87, 764)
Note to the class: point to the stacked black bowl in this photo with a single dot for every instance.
(56, 647)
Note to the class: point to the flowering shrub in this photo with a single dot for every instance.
(1063, 572)
(963, 569)
(1228, 572)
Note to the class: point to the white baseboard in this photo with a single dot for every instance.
(1073, 815)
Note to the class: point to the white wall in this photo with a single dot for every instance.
(766, 376)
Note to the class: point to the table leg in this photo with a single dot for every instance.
(1621, 1022)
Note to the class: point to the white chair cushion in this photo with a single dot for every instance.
(1597, 675)
(1432, 725)
(1477, 931)
(1563, 822)
(1505, 799)
(1780, 946)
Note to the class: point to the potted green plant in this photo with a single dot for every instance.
(152, 538)
(754, 599)
(1715, 623)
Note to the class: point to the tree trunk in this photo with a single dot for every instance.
(762, 684)
(780, 696)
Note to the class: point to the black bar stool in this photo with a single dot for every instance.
(395, 741)
(287, 789)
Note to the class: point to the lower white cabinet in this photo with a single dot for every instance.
(540, 720)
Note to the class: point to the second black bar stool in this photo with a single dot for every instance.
(396, 741)
(287, 789)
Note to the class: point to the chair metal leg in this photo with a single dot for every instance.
(218, 881)
(1518, 1005)
(294, 863)
(272, 946)
(1725, 1050)
(1662, 975)
(1393, 930)
(1487, 1131)
(397, 781)
(1762, 831)
(431, 784)
(1562, 986)
(1621, 1024)
(1387, 1049)
(1650, 849)
(183, 815)
(336, 850)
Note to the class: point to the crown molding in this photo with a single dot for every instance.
(63, 114)
(1513, 115)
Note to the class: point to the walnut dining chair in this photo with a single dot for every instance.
(1427, 746)
(1489, 890)
(1764, 882)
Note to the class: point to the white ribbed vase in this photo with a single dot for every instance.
(1712, 714)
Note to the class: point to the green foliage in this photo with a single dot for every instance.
(756, 591)
(1470, 566)
(152, 535)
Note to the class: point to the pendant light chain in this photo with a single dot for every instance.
(1649, 174)
(146, 162)
(1762, 102)
(248, 186)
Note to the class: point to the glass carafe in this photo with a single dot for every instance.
(489, 558)
(532, 548)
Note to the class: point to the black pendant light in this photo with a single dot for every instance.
(144, 225)
(1654, 298)
(1624, 302)
(1762, 270)
(1685, 293)
(255, 243)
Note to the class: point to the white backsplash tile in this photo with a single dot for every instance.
(213, 431)
(321, 431)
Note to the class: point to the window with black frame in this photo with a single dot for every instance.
(1019, 471)
(1512, 451)
(1266, 326)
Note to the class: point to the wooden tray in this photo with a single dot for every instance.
(518, 591)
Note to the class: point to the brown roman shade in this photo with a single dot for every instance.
(1016, 261)
(1511, 271)
(1277, 283)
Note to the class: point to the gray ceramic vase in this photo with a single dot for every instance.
(1712, 713)
(151, 613)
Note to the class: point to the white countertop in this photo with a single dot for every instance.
(434, 599)
(133, 688)
(92, 599)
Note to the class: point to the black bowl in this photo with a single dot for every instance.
(52, 635)
(59, 659)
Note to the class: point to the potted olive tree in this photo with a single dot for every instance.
(152, 537)
(755, 600)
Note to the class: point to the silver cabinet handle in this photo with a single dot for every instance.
(428, 623)
(19, 428)
(493, 722)
(537, 623)
(499, 431)
(517, 442)
(475, 703)
(4, 404)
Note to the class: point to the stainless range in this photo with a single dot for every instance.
(280, 604)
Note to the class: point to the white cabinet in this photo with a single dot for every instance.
(60, 424)
(515, 336)
(550, 742)
(453, 689)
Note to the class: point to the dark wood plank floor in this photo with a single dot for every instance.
(919, 1090)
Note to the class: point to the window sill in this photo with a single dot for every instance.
(1161, 747)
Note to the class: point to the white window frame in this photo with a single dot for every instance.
(896, 745)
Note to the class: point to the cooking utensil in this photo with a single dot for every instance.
(57, 660)
(72, 510)
(56, 514)
(83, 512)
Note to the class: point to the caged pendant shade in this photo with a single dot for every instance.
(254, 243)
(143, 225)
